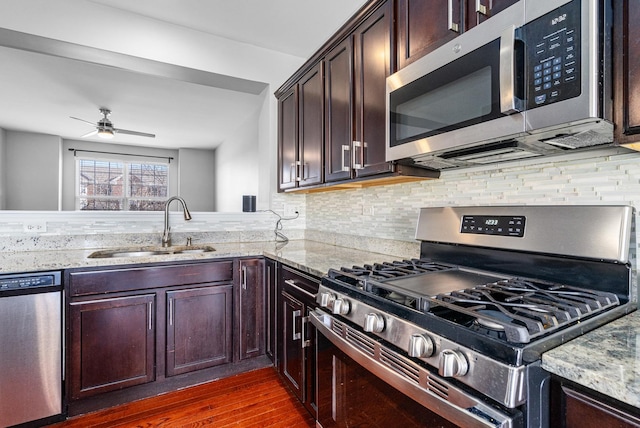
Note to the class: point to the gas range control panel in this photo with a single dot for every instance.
(448, 358)
(493, 225)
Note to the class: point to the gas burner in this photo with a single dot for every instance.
(486, 319)
(525, 309)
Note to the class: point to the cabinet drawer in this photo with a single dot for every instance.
(140, 278)
(299, 284)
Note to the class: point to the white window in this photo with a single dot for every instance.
(117, 185)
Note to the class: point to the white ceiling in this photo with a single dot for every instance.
(40, 92)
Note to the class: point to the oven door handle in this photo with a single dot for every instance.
(456, 405)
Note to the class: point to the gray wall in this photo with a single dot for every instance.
(197, 179)
(32, 171)
(2, 169)
(239, 166)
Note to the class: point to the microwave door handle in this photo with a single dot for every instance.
(453, 26)
(507, 71)
(481, 9)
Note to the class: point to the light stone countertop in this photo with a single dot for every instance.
(312, 257)
(606, 360)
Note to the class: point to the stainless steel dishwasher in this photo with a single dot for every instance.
(30, 348)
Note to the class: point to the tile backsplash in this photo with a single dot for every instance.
(379, 219)
(391, 212)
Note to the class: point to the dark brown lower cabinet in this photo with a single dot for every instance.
(296, 342)
(112, 344)
(271, 298)
(251, 308)
(573, 406)
(140, 330)
(199, 328)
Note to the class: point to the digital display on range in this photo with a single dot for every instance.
(493, 225)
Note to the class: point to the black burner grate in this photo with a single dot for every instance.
(524, 309)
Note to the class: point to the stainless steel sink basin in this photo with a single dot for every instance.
(151, 251)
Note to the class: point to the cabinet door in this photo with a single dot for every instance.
(292, 358)
(627, 68)
(112, 344)
(271, 309)
(311, 127)
(199, 328)
(424, 25)
(584, 411)
(338, 68)
(251, 313)
(479, 11)
(371, 68)
(288, 139)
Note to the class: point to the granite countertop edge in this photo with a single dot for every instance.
(312, 257)
(605, 360)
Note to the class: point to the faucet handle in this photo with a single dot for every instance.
(189, 241)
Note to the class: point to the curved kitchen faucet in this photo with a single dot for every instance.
(166, 237)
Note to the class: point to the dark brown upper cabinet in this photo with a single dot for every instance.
(627, 72)
(355, 77)
(300, 135)
(372, 65)
(424, 25)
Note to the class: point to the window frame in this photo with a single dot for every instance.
(126, 197)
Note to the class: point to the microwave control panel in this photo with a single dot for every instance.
(553, 56)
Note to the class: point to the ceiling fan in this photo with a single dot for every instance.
(105, 129)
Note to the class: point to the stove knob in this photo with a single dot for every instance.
(421, 346)
(453, 364)
(373, 323)
(341, 306)
(326, 299)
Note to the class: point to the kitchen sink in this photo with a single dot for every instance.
(150, 251)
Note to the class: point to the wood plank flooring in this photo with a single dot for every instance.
(254, 399)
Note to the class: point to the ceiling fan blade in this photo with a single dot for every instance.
(82, 120)
(89, 134)
(139, 134)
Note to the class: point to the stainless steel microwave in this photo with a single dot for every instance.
(532, 80)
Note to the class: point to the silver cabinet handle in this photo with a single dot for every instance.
(298, 176)
(357, 164)
(453, 26)
(150, 315)
(305, 343)
(480, 8)
(294, 315)
(507, 71)
(170, 311)
(292, 172)
(292, 283)
(244, 277)
(345, 157)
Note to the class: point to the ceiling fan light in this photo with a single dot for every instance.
(105, 133)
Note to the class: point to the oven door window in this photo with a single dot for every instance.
(351, 396)
(460, 94)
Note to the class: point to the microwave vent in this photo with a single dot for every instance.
(579, 140)
(433, 162)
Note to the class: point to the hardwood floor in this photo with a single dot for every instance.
(254, 399)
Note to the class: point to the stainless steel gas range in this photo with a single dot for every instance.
(455, 338)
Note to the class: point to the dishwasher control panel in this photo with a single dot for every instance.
(29, 280)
